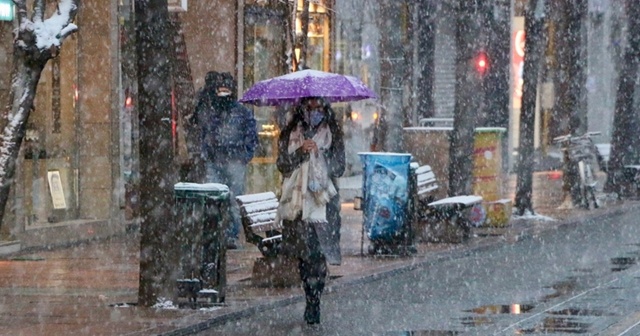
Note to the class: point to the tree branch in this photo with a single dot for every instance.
(71, 8)
(21, 9)
(39, 8)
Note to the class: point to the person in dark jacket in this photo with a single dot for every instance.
(229, 140)
(311, 157)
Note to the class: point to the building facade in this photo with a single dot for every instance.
(66, 172)
(77, 171)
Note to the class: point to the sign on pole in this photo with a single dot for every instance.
(6, 10)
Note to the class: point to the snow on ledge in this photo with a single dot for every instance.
(200, 186)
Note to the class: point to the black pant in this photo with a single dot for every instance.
(313, 268)
(313, 273)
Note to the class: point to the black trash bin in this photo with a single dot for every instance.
(202, 217)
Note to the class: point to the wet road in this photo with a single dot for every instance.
(581, 279)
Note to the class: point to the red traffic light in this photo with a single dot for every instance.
(481, 63)
(128, 102)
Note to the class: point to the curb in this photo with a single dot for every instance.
(430, 259)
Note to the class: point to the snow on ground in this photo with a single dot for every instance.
(529, 215)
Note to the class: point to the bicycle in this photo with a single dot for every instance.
(582, 150)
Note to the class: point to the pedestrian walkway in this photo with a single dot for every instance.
(91, 289)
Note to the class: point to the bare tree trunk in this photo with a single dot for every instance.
(304, 38)
(290, 34)
(499, 76)
(30, 55)
(577, 44)
(560, 53)
(533, 52)
(497, 92)
(191, 169)
(425, 36)
(568, 115)
(157, 171)
(392, 65)
(468, 102)
(624, 113)
(24, 81)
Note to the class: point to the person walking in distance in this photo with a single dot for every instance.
(229, 140)
(310, 157)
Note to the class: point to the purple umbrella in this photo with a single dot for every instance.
(292, 87)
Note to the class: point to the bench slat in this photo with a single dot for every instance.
(265, 226)
(423, 169)
(262, 217)
(424, 183)
(263, 206)
(427, 190)
(430, 176)
(274, 238)
(254, 198)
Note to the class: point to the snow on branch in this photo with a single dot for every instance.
(55, 29)
(45, 34)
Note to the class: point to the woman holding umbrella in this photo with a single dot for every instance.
(311, 157)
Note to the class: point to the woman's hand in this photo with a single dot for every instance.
(309, 146)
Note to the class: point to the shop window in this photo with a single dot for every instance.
(318, 35)
(264, 54)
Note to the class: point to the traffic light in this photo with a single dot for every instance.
(481, 63)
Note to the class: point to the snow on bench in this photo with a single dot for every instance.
(258, 214)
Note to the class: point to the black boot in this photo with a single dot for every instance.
(312, 312)
(312, 308)
(313, 274)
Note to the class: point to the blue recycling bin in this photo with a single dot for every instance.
(385, 196)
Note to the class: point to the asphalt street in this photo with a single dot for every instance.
(578, 279)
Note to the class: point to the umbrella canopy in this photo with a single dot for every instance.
(290, 88)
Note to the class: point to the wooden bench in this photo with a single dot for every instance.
(258, 214)
(603, 151)
(632, 176)
(439, 220)
(631, 172)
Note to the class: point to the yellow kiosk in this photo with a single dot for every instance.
(488, 177)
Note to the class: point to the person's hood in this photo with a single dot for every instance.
(215, 80)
